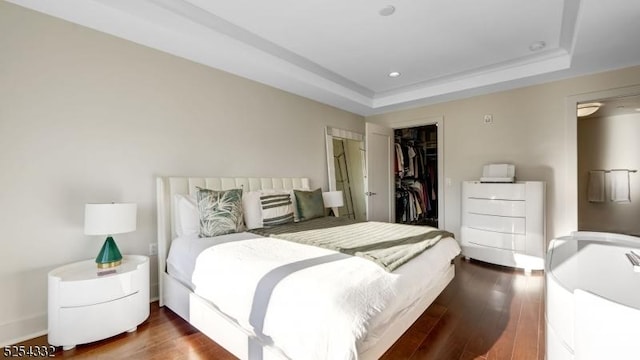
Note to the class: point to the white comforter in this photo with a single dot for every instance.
(311, 302)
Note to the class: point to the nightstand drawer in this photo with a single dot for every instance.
(105, 319)
(111, 287)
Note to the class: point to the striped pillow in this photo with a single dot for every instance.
(277, 209)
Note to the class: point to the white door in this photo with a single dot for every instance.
(379, 182)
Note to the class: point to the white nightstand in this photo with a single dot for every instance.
(86, 307)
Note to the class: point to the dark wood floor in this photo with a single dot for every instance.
(487, 312)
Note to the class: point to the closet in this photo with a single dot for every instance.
(416, 175)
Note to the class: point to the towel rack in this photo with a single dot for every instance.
(610, 170)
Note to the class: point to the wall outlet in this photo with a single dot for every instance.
(153, 249)
(488, 119)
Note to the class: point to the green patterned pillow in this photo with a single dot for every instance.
(309, 203)
(220, 212)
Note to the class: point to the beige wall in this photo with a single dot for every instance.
(529, 130)
(87, 117)
(609, 143)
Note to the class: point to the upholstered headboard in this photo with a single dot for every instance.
(167, 187)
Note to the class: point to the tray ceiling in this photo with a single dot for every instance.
(342, 52)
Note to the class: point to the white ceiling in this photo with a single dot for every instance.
(340, 52)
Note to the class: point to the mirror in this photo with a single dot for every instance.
(346, 171)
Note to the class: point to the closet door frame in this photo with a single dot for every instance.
(439, 122)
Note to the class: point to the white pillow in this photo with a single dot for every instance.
(277, 208)
(187, 219)
(294, 204)
(251, 209)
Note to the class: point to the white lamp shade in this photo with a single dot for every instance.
(109, 219)
(332, 199)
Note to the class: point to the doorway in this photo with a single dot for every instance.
(608, 163)
(416, 175)
(572, 192)
(381, 162)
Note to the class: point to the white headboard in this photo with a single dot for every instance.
(167, 187)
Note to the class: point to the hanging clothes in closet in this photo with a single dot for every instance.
(416, 175)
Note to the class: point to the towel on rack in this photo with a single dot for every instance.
(620, 186)
(596, 186)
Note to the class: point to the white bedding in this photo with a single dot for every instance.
(184, 251)
(312, 302)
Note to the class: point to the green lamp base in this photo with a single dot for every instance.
(109, 255)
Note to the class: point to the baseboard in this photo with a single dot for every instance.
(154, 293)
(24, 329)
(17, 331)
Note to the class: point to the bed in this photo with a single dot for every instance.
(412, 287)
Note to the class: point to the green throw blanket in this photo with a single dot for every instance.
(388, 245)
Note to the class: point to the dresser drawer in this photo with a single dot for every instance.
(504, 224)
(496, 207)
(492, 239)
(494, 191)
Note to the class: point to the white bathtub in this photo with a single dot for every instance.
(592, 297)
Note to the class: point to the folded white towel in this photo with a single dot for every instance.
(620, 186)
(596, 186)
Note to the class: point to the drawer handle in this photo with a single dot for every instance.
(101, 302)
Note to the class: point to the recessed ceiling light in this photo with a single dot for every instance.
(537, 45)
(394, 74)
(387, 10)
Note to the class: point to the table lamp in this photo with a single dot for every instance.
(333, 200)
(109, 219)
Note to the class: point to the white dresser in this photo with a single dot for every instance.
(592, 298)
(503, 223)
